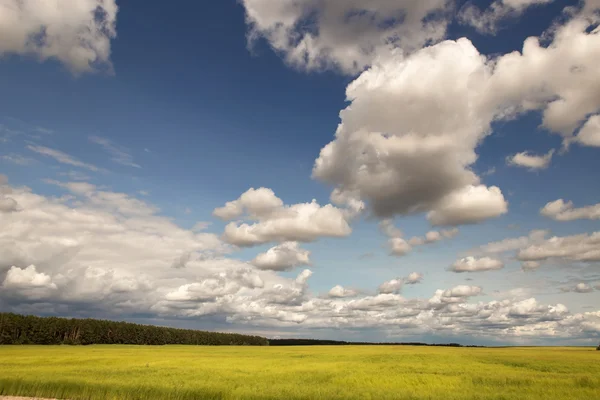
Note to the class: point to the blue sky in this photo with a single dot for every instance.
(194, 105)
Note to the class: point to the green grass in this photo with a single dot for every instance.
(337, 372)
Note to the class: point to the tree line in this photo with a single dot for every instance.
(317, 342)
(29, 329)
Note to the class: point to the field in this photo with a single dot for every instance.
(320, 372)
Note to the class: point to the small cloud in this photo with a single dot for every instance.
(144, 192)
(187, 210)
(531, 161)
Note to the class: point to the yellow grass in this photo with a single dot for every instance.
(321, 372)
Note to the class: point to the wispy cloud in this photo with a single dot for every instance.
(63, 158)
(119, 154)
(17, 159)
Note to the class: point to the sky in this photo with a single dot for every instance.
(407, 170)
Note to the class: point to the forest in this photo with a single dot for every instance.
(21, 329)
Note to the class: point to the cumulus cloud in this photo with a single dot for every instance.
(277, 222)
(413, 278)
(559, 78)
(63, 158)
(27, 278)
(583, 288)
(531, 161)
(589, 134)
(282, 257)
(344, 35)
(489, 20)
(8, 204)
(472, 264)
(560, 210)
(392, 286)
(510, 244)
(530, 265)
(68, 257)
(119, 155)
(584, 247)
(392, 154)
(341, 292)
(420, 163)
(395, 285)
(471, 205)
(75, 32)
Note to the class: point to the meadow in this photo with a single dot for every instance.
(312, 372)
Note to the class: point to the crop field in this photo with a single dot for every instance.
(320, 372)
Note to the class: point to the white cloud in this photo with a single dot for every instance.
(510, 244)
(341, 292)
(283, 257)
(462, 291)
(8, 204)
(27, 278)
(583, 288)
(560, 210)
(471, 205)
(345, 35)
(583, 247)
(75, 32)
(531, 161)
(472, 264)
(589, 134)
(413, 278)
(91, 257)
(119, 155)
(63, 158)
(276, 222)
(392, 286)
(488, 21)
(112, 201)
(560, 78)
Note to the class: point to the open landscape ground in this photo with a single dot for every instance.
(316, 372)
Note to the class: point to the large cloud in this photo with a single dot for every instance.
(406, 143)
(75, 32)
(392, 152)
(346, 35)
(276, 222)
(583, 247)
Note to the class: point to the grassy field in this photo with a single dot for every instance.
(349, 372)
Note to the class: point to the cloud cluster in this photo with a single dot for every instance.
(561, 210)
(73, 256)
(75, 32)
(537, 247)
(345, 35)
(400, 247)
(276, 222)
(395, 285)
